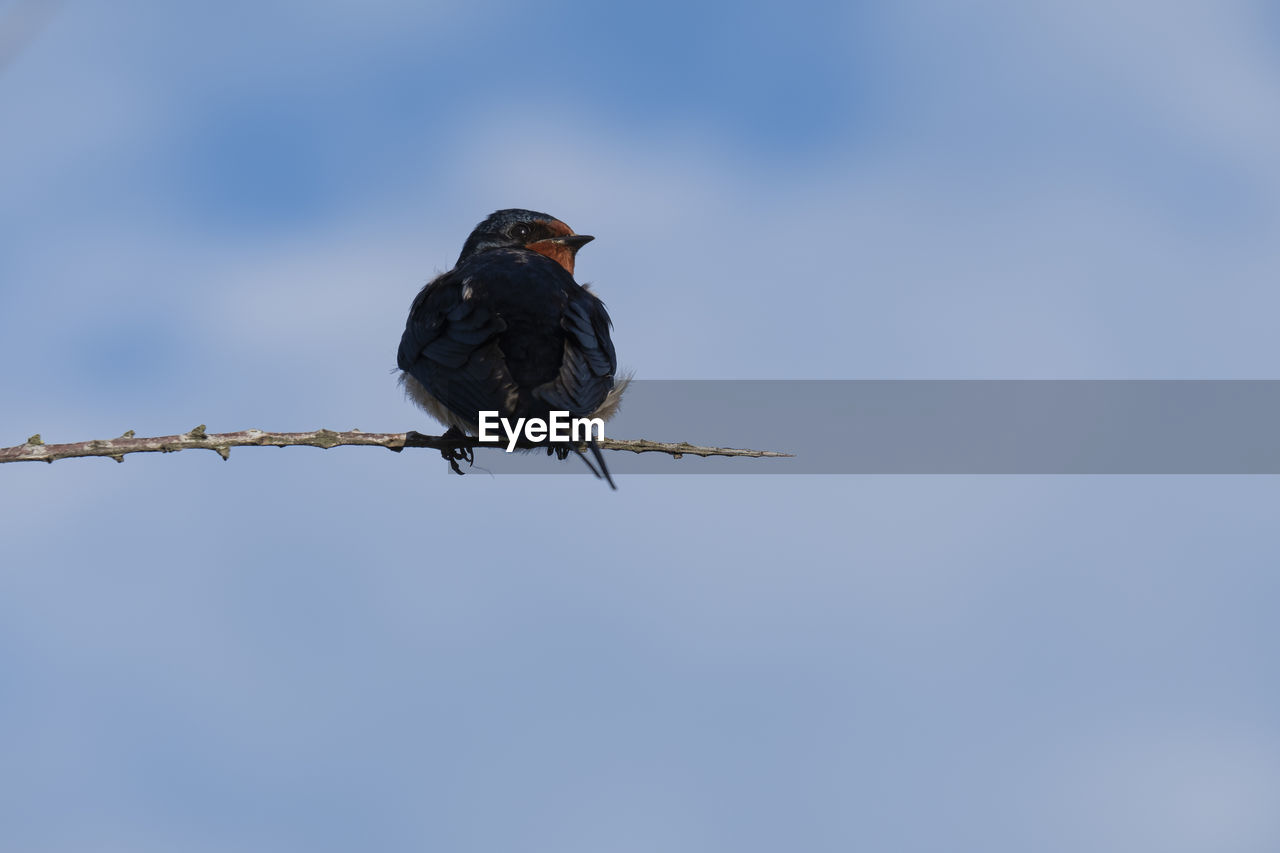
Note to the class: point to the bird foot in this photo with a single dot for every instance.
(454, 455)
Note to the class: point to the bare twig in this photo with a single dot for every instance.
(35, 450)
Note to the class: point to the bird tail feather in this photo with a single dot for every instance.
(603, 472)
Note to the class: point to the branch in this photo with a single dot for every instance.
(35, 450)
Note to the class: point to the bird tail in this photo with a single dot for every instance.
(603, 472)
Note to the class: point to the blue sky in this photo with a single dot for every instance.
(220, 216)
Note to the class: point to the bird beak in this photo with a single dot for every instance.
(562, 249)
(572, 241)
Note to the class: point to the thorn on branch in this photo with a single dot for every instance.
(197, 433)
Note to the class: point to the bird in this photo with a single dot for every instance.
(509, 329)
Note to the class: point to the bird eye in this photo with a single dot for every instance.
(520, 230)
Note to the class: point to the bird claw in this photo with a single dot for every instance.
(454, 455)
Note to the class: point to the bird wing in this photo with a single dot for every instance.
(450, 345)
(589, 363)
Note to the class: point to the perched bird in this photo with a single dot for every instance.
(509, 330)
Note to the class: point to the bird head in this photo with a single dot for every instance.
(526, 229)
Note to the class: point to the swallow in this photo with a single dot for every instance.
(508, 329)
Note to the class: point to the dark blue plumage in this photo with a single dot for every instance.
(509, 330)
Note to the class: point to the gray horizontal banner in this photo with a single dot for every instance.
(944, 427)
